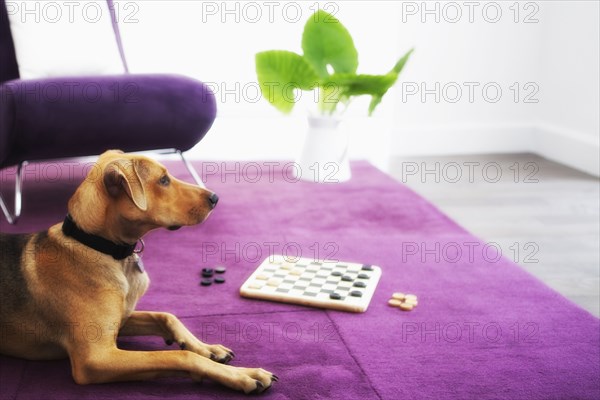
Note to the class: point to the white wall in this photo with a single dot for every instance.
(569, 66)
(550, 50)
(554, 53)
(568, 124)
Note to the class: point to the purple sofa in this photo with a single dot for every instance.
(64, 117)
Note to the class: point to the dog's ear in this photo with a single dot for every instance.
(121, 175)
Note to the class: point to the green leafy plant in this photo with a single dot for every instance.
(328, 65)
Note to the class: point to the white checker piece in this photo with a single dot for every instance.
(325, 284)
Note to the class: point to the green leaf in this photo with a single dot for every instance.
(356, 85)
(395, 72)
(375, 100)
(401, 62)
(374, 85)
(325, 41)
(280, 73)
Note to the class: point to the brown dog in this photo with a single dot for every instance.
(52, 285)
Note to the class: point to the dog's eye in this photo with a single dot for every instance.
(164, 180)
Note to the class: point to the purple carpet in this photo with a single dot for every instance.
(483, 329)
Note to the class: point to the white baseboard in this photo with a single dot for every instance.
(567, 147)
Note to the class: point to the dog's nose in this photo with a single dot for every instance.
(213, 200)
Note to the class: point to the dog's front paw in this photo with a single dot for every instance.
(254, 380)
(220, 354)
(247, 380)
(215, 352)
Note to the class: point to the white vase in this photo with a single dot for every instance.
(324, 156)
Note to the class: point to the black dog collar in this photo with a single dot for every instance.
(117, 251)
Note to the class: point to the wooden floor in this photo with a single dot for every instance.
(543, 215)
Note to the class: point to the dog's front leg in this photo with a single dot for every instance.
(172, 330)
(101, 365)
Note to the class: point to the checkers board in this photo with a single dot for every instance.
(337, 285)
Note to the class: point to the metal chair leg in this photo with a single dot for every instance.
(191, 170)
(12, 218)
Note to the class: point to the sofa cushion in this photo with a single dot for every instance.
(64, 39)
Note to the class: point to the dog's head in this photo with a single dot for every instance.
(135, 194)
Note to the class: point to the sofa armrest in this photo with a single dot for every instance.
(79, 116)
